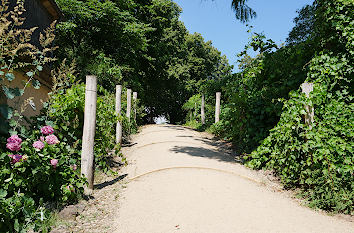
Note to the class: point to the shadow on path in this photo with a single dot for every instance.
(129, 144)
(185, 136)
(222, 147)
(203, 152)
(107, 183)
(175, 127)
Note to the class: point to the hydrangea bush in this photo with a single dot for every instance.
(36, 170)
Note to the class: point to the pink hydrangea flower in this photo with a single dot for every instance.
(46, 130)
(54, 162)
(14, 139)
(14, 143)
(51, 139)
(13, 146)
(15, 158)
(38, 145)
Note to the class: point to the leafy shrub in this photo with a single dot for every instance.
(66, 113)
(192, 106)
(30, 177)
(319, 160)
(217, 128)
(193, 117)
(251, 96)
(38, 170)
(263, 107)
(42, 169)
(47, 172)
(250, 106)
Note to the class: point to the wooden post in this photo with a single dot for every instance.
(217, 107)
(129, 103)
(202, 112)
(118, 109)
(307, 88)
(135, 99)
(87, 155)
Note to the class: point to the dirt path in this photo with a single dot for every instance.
(182, 181)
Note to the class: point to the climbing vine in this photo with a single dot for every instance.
(319, 160)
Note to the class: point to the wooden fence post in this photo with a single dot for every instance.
(135, 99)
(217, 107)
(129, 103)
(202, 112)
(87, 155)
(118, 110)
(307, 88)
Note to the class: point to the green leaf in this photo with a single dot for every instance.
(36, 84)
(8, 92)
(39, 68)
(12, 92)
(10, 76)
(12, 132)
(13, 122)
(30, 74)
(3, 193)
(16, 225)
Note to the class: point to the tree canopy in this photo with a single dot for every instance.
(142, 45)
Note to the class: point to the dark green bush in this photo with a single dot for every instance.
(319, 161)
(263, 108)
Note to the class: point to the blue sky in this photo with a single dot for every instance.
(215, 20)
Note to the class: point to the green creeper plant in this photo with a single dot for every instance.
(319, 161)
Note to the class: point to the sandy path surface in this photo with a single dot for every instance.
(203, 190)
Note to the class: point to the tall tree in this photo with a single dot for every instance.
(304, 25)
(243, 12)
(104, 37)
